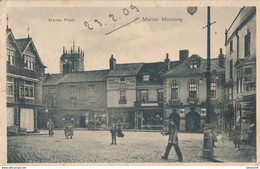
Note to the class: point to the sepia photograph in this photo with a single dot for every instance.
(129, 83)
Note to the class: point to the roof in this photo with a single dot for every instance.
(130, 69)
(22, 43)
(85, 76)
(243, 16)
(53, 79)
(69, 55)
(183, 70)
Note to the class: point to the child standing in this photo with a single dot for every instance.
(237, 141)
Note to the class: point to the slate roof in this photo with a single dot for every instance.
(53, 79)
(85, 76)
(183, 70)
(22, 43)
(130, 69)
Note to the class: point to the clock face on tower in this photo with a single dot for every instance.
(192, 9)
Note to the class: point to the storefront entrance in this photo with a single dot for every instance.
(27, 119)
(149, 119)
(192, 122)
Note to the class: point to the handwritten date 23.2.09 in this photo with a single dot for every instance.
(98, 23)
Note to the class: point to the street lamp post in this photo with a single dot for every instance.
(207, 139)
(207, 142)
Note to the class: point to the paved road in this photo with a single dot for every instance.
(94, 147)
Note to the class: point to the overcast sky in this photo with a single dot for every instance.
(140, 41)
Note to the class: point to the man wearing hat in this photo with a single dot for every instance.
(173, 139)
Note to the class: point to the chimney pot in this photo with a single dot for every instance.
(112, 63)
(184, 54)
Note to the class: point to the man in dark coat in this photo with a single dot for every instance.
(173, 140)
(50, 127)
(113, 131)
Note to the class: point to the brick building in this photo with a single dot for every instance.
(25, 72)
(240, 80)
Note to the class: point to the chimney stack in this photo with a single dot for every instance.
(112, 63)
(168, 62)
(221, 58)
(184, 54)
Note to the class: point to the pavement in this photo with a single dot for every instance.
(135, 147)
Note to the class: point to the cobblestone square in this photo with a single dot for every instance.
(135, 147)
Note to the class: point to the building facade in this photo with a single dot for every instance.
(75, 96)
(121, 92)
(185, 92)
(25, 72)
(240, 81)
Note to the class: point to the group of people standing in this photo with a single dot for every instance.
(68, 130)
(116, 131)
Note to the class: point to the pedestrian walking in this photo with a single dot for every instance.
(66, 131)
(50, 126)
(237, 137)
(119, 130)
(70, 131)
(113, 131)
(173, 139)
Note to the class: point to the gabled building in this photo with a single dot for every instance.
(75, 96)
(240, 81)
(24, 72)
(150, 94)
(121, 92)
(185, 92)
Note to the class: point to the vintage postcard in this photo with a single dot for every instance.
(136, 83)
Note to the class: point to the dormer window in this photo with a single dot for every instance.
(194, 64)
(146, 78)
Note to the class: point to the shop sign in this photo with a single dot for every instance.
(149, 104)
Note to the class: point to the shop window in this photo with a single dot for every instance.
(213, 90)
(10, 86)
(193, 90)
(175, 91)
(10, 57)
(247, 44)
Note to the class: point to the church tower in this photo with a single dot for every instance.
(72, 60)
